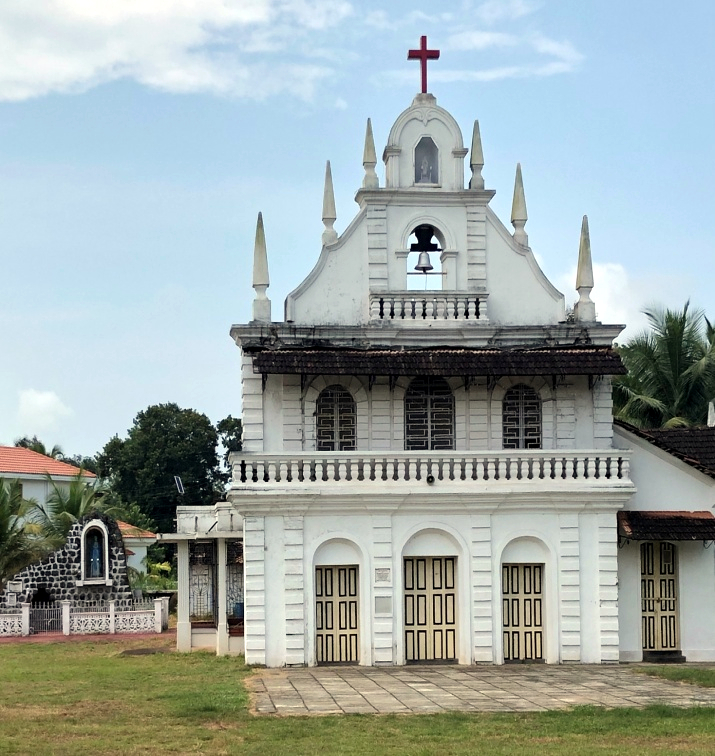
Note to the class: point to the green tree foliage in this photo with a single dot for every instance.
(17, 547)
(34, 444)
(164, 441)
(671, 371)
(78, 460)
(230, 431)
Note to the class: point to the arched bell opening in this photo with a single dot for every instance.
(424, 266)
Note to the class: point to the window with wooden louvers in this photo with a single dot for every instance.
(429, 415)
(335, 420)
(521, 418)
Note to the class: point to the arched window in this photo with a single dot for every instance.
(335, 420)
(429, 415)
(95, 552)
(521, 418)
(426, 162)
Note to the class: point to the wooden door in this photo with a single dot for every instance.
(336, 614)
(659, 596)
(522, 612)
(430, 609)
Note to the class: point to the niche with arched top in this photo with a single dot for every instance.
(426, 162)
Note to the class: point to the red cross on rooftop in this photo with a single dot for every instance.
(423, 55)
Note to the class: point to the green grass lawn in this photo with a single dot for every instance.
(702, 676)
(93, 698)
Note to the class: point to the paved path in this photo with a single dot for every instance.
(428, 689)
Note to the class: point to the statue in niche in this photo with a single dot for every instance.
(95, 556)
(426, 162)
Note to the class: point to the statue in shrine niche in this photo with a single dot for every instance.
(425, 171)
(95, 559)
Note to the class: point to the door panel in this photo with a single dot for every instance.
(522, 612)
(336, 614)
(659, 596)
(430, 609)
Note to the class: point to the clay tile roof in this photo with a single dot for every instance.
(15, 460)
(694, 446)
(574, 360)
(666, 526)
(132, 531)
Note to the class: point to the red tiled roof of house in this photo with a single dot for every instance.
(16, 460)
(132, 531)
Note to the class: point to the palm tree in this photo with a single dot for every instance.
(34, 444)
(671, 371)
(17, 547)
(65, 505)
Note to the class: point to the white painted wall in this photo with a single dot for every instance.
(581, 621)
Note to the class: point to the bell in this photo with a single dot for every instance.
(423, 263)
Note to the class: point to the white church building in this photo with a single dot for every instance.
(429, 468)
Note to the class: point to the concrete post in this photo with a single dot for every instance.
(66, 608)
(183, 624)
(222, 623)
(112, 617)
(158, 602)
(26, 619)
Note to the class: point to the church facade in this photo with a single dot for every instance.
(429, 468)
(428, 474)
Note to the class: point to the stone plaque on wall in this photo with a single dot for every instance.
(382, 574)
(15, 586)
(11, 599)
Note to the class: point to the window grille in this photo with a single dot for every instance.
(429, 415)
(335, 420)
(202, 582)
(521, 418)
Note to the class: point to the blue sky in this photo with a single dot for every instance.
(139, 140)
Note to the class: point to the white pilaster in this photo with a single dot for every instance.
(569, 588)
(183, 623)
(382, 581)
(608, 585)
(293, 558)
(482, 589)
(254, 589)
(222, 621)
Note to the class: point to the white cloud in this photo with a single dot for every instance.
(173, 45)
(40, 411)
(341, 104)
(493, 11)
(480, 40)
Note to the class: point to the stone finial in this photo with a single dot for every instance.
(476, 159)
(585, 309)
(369, 160)
(330, 236)
(711, 415)
(518, 210)
(261, 281)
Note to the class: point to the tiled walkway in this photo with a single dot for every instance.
(423, 689)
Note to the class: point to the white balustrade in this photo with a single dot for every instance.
(598, 467)
(429, 305)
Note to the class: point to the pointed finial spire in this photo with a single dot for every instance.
(329, 216)
(518, 210)
(476, 159)
(261, 281)
(585, 309)
(369, 160)
(711, 415)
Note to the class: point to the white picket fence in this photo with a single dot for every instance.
(87, 619)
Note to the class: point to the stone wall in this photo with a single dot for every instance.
(57, 574)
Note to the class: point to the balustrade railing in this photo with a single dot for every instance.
(314, 468)
(431, 305)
